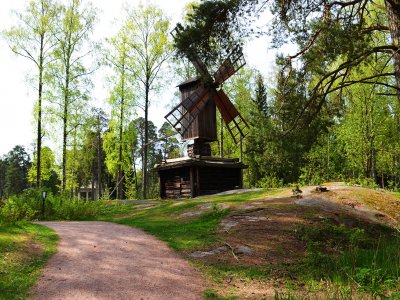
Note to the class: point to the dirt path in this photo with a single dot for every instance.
(99, 260)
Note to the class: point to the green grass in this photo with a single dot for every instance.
(366, 257)
(219, 272)
(211, 294)
(248, 196)
(24, 249)
(181, 234)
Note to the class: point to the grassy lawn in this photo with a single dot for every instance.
(24, 249)
(183, 234)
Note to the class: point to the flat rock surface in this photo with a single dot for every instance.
(99, 260)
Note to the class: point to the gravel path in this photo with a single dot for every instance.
(99, 260)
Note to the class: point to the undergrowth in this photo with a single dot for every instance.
(29, 206)
(366, 258)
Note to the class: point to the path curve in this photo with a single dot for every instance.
(100, 260)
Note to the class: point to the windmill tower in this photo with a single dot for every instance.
(195, 119)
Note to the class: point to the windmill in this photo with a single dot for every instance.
(182, 116)
(195, 119)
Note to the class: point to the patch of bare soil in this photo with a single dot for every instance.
(99, 260)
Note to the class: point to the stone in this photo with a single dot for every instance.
(227, 224)
(243, 250)
(200, 254)
(191, 214)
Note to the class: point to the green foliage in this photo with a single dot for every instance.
(28, 206)
(363, 182)
(15, 211)
(211, 294)
(270, 182)
(212, 29)
(64, 208)
(49, 176)
(33, 39)
(21, 266)
(352, 256)
(70, 83)
(14, 167)
(169, 142)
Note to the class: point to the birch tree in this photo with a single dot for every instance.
(33, 39)
(121, 100)
(70, 74)
(149, 37)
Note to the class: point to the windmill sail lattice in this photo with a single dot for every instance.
(230, 66)
(183, 115)
(235, 123)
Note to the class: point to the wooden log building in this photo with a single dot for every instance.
(189, 177)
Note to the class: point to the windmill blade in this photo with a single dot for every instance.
(191, 54)
(230, 66)
(183, 115)
(237, 126)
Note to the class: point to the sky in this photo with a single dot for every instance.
(17, 96)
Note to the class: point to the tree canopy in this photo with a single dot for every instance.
(334, 39)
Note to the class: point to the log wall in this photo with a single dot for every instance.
(175, 183)
(186, 182)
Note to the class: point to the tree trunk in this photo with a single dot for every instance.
(146, 138)
(92, 180)
(65, 134)
(134, 172)
(121, 131)
(119, 178)
(221, 148)
(98, 159)
(39, 124)
(393, 12)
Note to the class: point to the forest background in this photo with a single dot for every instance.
(328, 112)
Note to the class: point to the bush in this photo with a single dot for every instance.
(73, 209)
(13, 212)
(27, 206)
(270, 182)
(363, 182)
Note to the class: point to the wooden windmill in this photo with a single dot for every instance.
(187, 117)
(195, 119)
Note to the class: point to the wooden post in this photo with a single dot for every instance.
(221, 147)
(160, 182)
(197, 182)
(241, 149)
(192, 191)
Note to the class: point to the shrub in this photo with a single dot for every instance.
(28, 206)
(13, 212)
(270, 182)
(74, 209)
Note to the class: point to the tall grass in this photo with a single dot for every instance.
(29, 206)
(368, 259)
